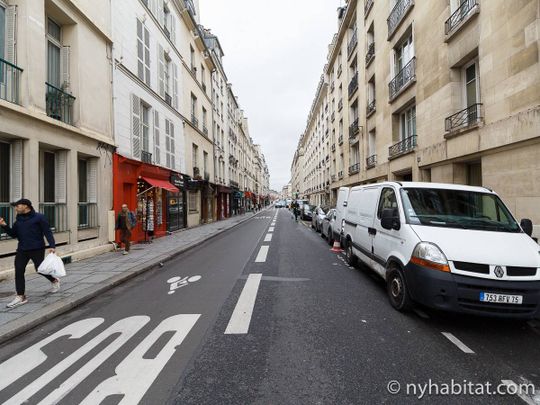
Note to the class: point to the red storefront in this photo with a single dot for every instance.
(143, 187)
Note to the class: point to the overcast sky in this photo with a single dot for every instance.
(275, 51)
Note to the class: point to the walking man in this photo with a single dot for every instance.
(29, 228)
(124, 223)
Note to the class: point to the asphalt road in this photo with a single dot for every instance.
(249, 318)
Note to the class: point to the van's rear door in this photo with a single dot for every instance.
(363, 203)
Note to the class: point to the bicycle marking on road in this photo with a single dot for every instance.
(462, 346)
(243, 311)
(261, 256)
(179, 282)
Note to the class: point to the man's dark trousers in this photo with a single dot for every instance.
(21, 260)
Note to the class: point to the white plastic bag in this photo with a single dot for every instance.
(52, 265)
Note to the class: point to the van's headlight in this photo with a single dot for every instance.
(429, 255)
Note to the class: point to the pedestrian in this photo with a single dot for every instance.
(29, 229)
(296, 210)
(125, 223)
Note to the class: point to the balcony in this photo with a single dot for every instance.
(333, 118)
(354, 168)
(333, 177)
(333, 147)
(339, 70)
(146, 157)
(371, 161)
(205, 129)
(56, 215)
(190, 7)
(340, 175)
(368, 4)
(370, 55)
(354, 129)
(196, 172)
(403, 147)
(340, 105)
(203, 85)
(467, 118)
(397, 15)
(353, 85)
(59, 104)
(233, 183)
(403, 79)
(370, 108)
(352, 43)
(87, 215)
(167, 32)
(340, 140)
(194, 121)
(465, 11)
(331, 87)
(10, 77)
(168, 99)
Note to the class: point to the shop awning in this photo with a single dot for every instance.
(161, 184)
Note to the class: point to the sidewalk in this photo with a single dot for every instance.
(90, 277)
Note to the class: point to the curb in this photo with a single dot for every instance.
(36, 318)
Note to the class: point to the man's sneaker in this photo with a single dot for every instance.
(125, 253)
(55, 286)
(18, 300)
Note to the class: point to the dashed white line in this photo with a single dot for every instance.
(261, 256)
(518, 389)
(268, 237)
(271, 229)
(462, 346)
(241, 316)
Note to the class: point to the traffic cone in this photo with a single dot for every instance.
(336, 247)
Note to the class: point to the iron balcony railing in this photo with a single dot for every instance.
(340, 139)
(459, 15)
(354, 129)
(190, 7)
(396, 15)
(340, 174)
(371, 161)
(367, 7)
(146, 157)
(353, 84)
(339, 70)
(10, 78)
(340, 105)
(8, 213)
(333, 177)
(352, 43)
(402, 147)
(333, 147)
(59, 104)
(196, 172)
(354, 168)
(332, 117)
(370, 108)
(331, 87)
(88, 215)
(404, 77)
(205, 129)
(56, 215)
(370, 53)
(168, 98)
(167, 32)
(465, 118)
(194, 120)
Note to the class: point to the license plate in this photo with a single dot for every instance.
(501, 298)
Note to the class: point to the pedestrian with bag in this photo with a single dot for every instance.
(125, 222)
(29, 229)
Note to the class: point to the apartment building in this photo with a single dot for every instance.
(447, 92)
(56, 130)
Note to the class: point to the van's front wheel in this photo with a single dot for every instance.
(397, 290)
(349, 254)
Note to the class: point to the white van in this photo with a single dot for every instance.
(341, 207)
(447, 246)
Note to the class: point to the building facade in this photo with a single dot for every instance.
(56, 132)
(445, 92)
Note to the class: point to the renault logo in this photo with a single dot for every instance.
(499, 272)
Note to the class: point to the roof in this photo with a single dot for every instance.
(446, 186)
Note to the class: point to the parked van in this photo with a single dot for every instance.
(341, 207)
(447, 246)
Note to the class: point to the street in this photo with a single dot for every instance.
(264, 313)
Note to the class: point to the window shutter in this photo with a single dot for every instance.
(175, 86)
(11, 34)
(157, 152)
(64, 66)
(161, 71)
(173, 29)
(91, 178)
(161, 13)
(136, 126)
(16, 169)
(147, 57)
(60, 160)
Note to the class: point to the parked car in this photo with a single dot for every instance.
(341, 207)
(328, 225)
(307, 212)
(447, 246)
(288, 202)
(317, 218)
(280, 204)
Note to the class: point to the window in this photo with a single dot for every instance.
(388, 201)
(193, 201)
(192, 59)
(143, 53)
(145, 123)
(403, 53)
(205, 162)
(204, 115)
(54, 47)
(49, 176)
(168, 79)
(194, 155)
(372, 143)
(157, 141)
(203, 78)
(169, 144)
(193, 105)
(470, 80)
(407, 123)
(2, 31)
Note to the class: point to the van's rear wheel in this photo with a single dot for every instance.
(349, 254)
(398, 292)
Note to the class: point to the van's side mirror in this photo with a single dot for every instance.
(390, 219)
(527, 226)
(344, 203)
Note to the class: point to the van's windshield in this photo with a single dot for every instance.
(457, 209)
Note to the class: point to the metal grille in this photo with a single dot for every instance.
(405, 75)
(56, 215)
(10, 76)
(353, 84)
(88, 215)
(354, 168)
(371, 161)
(59, 104)
(404, 146)
(370, 53)
(464, 118)
(370, 108)
(459, 15)
(352, 43)
(397, 14)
